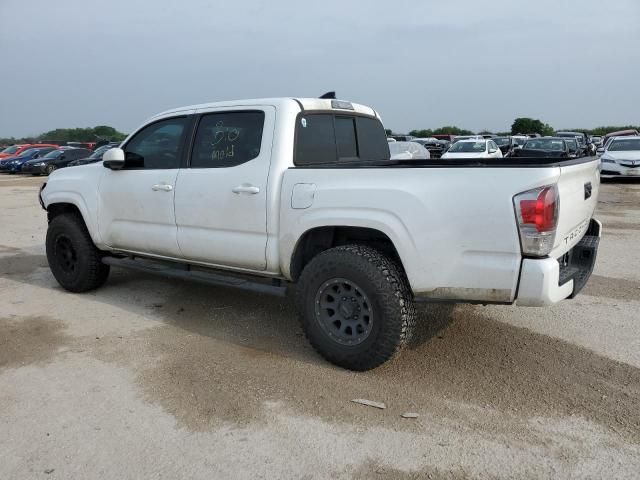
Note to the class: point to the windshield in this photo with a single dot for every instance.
(11, 149)
(28, 151)
(468, 147)
(520, 141)
(627, 145)
(54, 154)
(578, 136)
(545, 144)
(572, 143)
(100, 151)
(501, 141)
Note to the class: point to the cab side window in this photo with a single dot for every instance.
(156, 146)
(227, 139)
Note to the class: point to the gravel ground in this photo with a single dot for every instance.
(155, 378)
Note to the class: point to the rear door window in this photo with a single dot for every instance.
(227, 139)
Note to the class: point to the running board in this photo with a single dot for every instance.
(187, 272)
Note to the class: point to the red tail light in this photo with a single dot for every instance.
(537, 215)
(541, 212)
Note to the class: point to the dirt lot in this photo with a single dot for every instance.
(151, 378)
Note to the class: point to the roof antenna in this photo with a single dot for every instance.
(331, 95)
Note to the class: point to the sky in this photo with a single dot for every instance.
(422, 64)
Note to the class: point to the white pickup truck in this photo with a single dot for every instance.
(300, 195)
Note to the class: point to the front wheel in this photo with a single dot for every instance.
(356, 306)
(50, 169)
(73, 258)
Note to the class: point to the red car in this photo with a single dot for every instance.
(15, 150)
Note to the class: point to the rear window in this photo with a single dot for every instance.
(346, 137)
(329, 138)
(545, 144)
(468, 147)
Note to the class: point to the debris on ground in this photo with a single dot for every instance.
(409, 415)
(369, 403)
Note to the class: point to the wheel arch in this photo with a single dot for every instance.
(63, 205)
(318, 239)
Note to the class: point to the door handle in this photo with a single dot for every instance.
(246, 189)
(162, 187)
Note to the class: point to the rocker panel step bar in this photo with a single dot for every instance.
(198, 274)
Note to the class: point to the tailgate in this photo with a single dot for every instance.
(578, 188)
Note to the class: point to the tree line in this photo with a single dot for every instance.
(89, 134)
(521, 125)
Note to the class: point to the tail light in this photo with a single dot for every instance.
(537, 216)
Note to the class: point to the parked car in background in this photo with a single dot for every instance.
(575, 150)
(16, 150)
(583, 141)
(402, 138)
(96, 156)
(54, 160)
(543, 147)
(15, 164)
(444, 136)
(457, 138)
(596, 140)
(473, 148)
(435, 146)
(619, 133)
(488, 135)
(505, 144)
(621, 157)
(519, 140)
(10, 151)
(408, 151)
(87, 145)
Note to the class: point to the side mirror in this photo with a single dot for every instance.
(113, 159)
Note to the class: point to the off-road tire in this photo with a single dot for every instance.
(73, 258)
(382, 281)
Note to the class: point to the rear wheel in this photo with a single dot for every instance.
(73, 258)
(356, 307)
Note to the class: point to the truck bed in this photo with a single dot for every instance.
(455, 232)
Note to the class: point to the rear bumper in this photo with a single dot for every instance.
(546, 281)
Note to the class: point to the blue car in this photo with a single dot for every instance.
(14, 164)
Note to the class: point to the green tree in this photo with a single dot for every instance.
(530, 125)
(421, 133)
(89, 134)
(451, 130)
